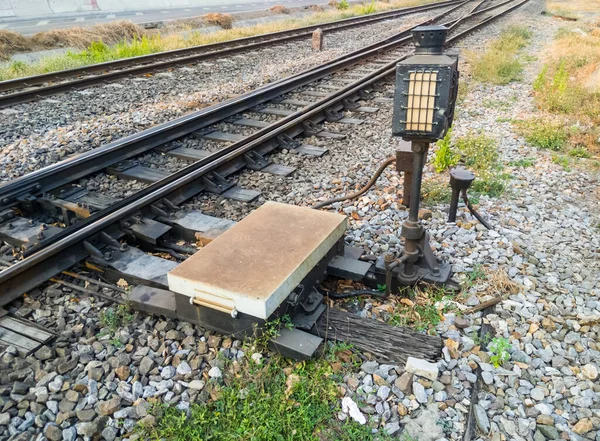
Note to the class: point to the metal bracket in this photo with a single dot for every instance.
(120, 167)
(278, 99)
(215, 183)
(6, 215)
(310, 128)
(287, 142)
(350, 105)
(157, 211)
(332, 116)
(255, 161)
(363, 94)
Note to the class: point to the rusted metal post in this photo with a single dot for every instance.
(404, 164)
(317, 40)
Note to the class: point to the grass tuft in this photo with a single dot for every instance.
(544, 134)
(435, 191)
(568, 88)
(500, 63)
(368, 8)
(277, 400)
(423, 309)
(524, 163)
(444, 157)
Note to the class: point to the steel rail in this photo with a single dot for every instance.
(61, 173)
(33, 270)
(182, 56)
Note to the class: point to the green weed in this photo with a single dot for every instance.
(368, 8)
(579, 152)
(544, 134)
(498, 349)
(435, 192)
(475, 275)
(421, 312)
(481, 341)
(342, 5)
(280, 400)
(563, 161)
(115, 318)
(270, 331)
(444, 157)
(478, 151)
(524, 162)
(500, 63)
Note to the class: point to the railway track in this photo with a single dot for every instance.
(21, 90)
(275, 116)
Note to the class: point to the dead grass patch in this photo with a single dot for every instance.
(109, 33)
(499, 283)
(279, 9)
(218, 19)
(79, 37)
(568, 86)
(11, 42)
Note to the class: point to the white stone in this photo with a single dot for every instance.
(537, 394)
(215, 372)
(196, 385)
(350, 407)
(590, 371)
(422, 368)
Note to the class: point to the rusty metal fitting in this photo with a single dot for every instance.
(411, 230)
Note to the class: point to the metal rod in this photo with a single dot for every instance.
(87, 291)
(420, 151)
(453, 205)
(94, 281)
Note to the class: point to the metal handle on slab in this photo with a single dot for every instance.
(215, 302)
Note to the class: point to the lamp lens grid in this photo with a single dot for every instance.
(422, 87)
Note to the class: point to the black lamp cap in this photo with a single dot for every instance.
(461, 178)
(429, 39)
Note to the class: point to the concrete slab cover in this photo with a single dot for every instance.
(255, 265)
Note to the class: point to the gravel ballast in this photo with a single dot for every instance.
(43, 132)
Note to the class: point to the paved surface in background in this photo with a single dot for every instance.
(31, 26)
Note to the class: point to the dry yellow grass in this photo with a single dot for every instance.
(572, 9)
(109, 33)
(218, 19)
(279, 9)
(567, 92)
